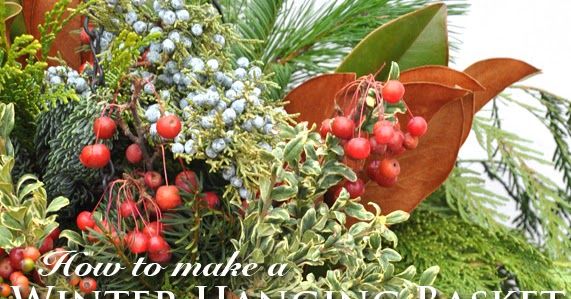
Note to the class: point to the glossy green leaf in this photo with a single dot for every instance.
(57, 204)
(416, 39)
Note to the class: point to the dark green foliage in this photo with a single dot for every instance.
(309, 37)
(62, 132)
(469, 255)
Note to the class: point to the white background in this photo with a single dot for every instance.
(538, 32)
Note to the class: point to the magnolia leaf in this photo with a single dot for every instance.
(426, 99)
(469, 102)
(66, 42)
(57, 204)
(415, 39)
(497, 74)
(424, 169)
(314, 99)
(441, 75)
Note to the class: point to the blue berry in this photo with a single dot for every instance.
(149, 88)
(206, 122)
(236, 182)
(240, 73)
(156, 29)
(228, 116)
(243, 62)
(258, 122)
(168, 46)
(174, 36)
(255, 73)
(239, 105)
(244, 193)
(165, 94)
(156, 47)
(228, 172)
(189, 147)
(138, 2)
(218, 145)
(196, 29)
(131, 17)
(153, 113)
(231, 94)
(183, 15)
(177, 148)
(168, 18)
(187, 42)
(238, 87)
(268, 128)
(183, 104)
(171, 67)
(55, 80)
(197, 64)
(153, 130)
(210, 153)
(247, 126)
(177, 4)
(140, 27)
(213, 64)
(219, 39)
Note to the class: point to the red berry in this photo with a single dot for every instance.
(393, 91)
(95, 156)
(157, 244)
(5, 290)
(28, 265)
(24, 284)
(358, 148)
(128, 208)
(55, 234)
(389, 168)
(88, 285)
(85, 221)
(377, 148)
(15, 276)
(355, 189)
(169, 126)
(47, 245)
(410, 142)
(84, 37)
(16, 257)
(168, 198)
(161, 257)
(104, 127)
(373, 169)
(32, 253)
(153, 179)
(187, 181)
(6, 268)
(137, 242)
(153, 229)
(74, 280)
(384, 133)
(417, 126)
(325, 128)
(134, 154)
(211, 199)
(342, 127)
(396, 142)
(386, 182)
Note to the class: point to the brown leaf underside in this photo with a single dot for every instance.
(497, 74)
(314, 99)
(424, 169)
(67, 42)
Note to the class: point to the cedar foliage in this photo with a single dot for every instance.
(469, 255)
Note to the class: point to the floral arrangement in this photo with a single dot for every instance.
(196, 132)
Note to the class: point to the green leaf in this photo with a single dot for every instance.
(73, 238)
(416, 39)
(294, 148)
(427, 278)
(57, 204)
(358, 211)
(5, 238)
(397, 217)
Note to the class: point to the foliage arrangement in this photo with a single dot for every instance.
(185, 131)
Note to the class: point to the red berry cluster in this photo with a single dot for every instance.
(377, 147)
(18, 268)
(142, 231)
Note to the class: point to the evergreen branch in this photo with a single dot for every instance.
(538, 198)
